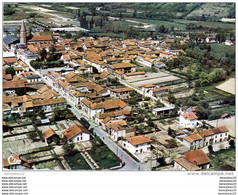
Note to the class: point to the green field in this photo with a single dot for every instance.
(206, 24)
(220, 160)
(77, 162)
(222, 49)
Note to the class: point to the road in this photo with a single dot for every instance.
(130, 163)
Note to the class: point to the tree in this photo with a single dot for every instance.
(42, 54)
(134, 13)
(162, 29)
(78, 14)
(210, 149)
(171, 98)
(32, 135)
(91, 23)
(68, 148)
(232, 143)
(11, 71)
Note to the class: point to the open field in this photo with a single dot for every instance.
(228, 86)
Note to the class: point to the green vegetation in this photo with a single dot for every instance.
(102, 155)
(223, 160)
(77, 162)
(10, 70)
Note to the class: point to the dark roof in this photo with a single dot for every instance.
(10, 39)
(33, 76)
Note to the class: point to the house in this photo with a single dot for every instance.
(148, 90)
(163, 110)
(124, 67)
(40, 40)
(134, 75)
(33, 78)
(193, 141)
(188, 120)
(47, 105)
(92, 109)
(194, 160)
(116, 130)
(137, 144)
(76, 134)
(211, 39)
(121, 93)
(217, 135)
(228, 42)
(49, 135)
(158, 91)
(10, 87)
(182, 164)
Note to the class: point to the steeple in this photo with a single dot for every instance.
(23, 33)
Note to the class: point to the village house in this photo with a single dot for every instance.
(148, 90)
(92, 109)
(121, 93)
(213, 136)
(40, 40)
(50, 135)
(193, 141)
(10, 87)
(160, 91)
(124, 67)
(33, 78)
(15, 162)
(137, 144)
(193, 161)
(47, 105)
(187, 119)
(116, 115)
(163, 110)
(76, 134)
(134, 75)
(116, 129)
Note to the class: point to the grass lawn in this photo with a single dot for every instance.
(104, 157)
(222, 158)
(77, 162)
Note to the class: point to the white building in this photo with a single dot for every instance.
(116, 129)
(76, 134)
(216, 135)
(188, 120)
(193, 141)
(137, 144)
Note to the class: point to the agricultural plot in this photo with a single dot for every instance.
(153, 78)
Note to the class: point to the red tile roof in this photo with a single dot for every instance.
(74, 131)
(13, 84)
(186, 164)
(48, 133)
(190, 116)
(197, 157)
(41, 38)
(211, 132)
(137, 140)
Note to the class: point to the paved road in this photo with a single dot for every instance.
(130, 163)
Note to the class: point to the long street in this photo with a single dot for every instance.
(130, 163)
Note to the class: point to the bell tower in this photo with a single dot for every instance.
(23, 33)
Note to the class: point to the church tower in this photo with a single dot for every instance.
(23, 33)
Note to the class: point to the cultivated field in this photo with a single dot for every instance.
(228, 86)
(153, 78)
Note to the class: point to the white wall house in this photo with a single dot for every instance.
(193, 141)
(76, 134)
(148, 90)
(116, 129)
(216, 135)
(188, 120)
(137, 144)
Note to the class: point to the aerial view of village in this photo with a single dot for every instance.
(118, 86)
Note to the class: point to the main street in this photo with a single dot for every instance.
(130, 163)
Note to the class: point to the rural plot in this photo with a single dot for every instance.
(228, 86)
